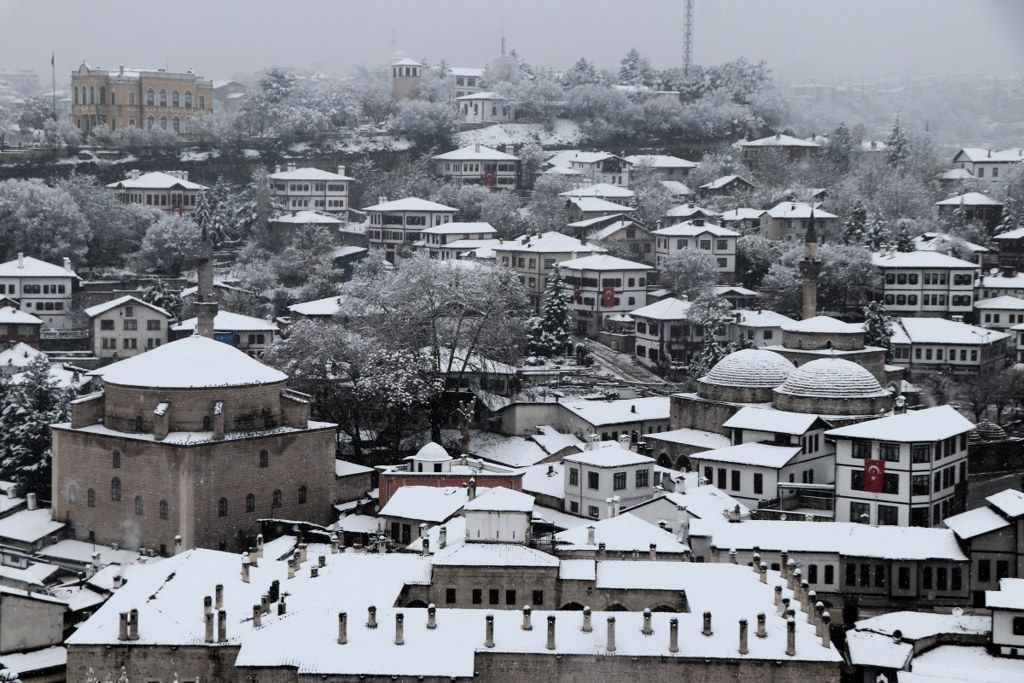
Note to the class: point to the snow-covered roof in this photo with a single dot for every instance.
(956, 174)
(688, 210)
(608, 454)
(475, 153)
(410, 204)
(771, 420)
(29, 526)
(937, 241)
(690, 229)
(594, 157)
(471, 71)
(612, 228)
(155, 180)
(942, 331)
(592, 204)
(459, 228)
(1003, 281)
(500, 499)
(969, 199)
(431, 452)
(406, 61)
(1014, 154)
(604, 190)
(847, 538)
(599, 413)
(976, 522)
(190, 363)
(426, 503)
(919, 259)
(1004, 302)
(676, 188)
(719, 183)
(832, 378)
(752, 453)
(621, 533)
(1010, 235)
(344, 468)
(741, 214)
(962, 664)
(486, 95)
(29, 266)
(226, 321)
(778, 140)
(603, 262)
(1009, 596)
(553, 441)
(549, 242)
(764, 318)
(822, 324)
(493, 555)
(99, 309)
(669, 308)
(598, 220)
(545, 479)
(919, 625)
(26, 664)
(461, 360)
(81, 552)
(505, 449)
(1010, 502)
(307, 218)
(660, 161)
(928, 424)
(797, 210)
(703, 502)
(758, 368)
(9, 315)
(703, 440)
(308, 173)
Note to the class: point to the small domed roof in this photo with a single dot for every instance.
(832, 378)
(822, 324)
(758, 368)
(433, 452)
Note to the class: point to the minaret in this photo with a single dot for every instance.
(206, 306)
(810, 267)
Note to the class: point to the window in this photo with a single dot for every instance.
(90, 498)
(538, 598)
(72, 494)
(940, 578)
(162, 507)
(851, 574)
(478, 596)
(138, 505)
(106, 324)
(115, 489)
(302, 494)
(857, 480)
(131, 325)
(921, 453)
(163, 124)
(510, 597)
(860, 512)
(449, 596)
(574, 476)
(250, 503)
(222, 507)
(919, 485)
(163, 99)
(593, 480)
(889, 452)
(888, 515)
(861, 449)
(493, 595)
(812, 573)
(735, 480)
(276, 500)
(188, 100)
(152, 325)
(891, 483)
(926, 578)
(758, 483)
(619, 481)
(592, 511)
(642, 478)
(865, 575)
(202, 102)
(116, 460)
(830, 574)
(1018, 626)
(264, 458)
(175, 102)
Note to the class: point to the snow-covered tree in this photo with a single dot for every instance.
(40, 220)
(551, 333)
(425, 124)
(781, 289)
(901, 240)
(855, 225)
(875, 234)
(690, 272)
(582, 72)
(878, 329)
(35, 112)
(170, 244)
(755, 255)
(839, 148)
(635, 69)
(897, 146)
(162, 296)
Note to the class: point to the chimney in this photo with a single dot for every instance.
(122, 626)
(743, 636)
(442, 538)
(222, 626)
(342, 628)
(791, 638)
(489, 630)
(426, 546)
(826, 635)
(706, 631)
(673, 635)
(207, 605)
(551, 632)
(21, 260)
(371, 617)
(314, 572)
(588, 626)
(778, 596)
(732, 556)
(592, 441)
(245, 567)
(784, 563)
(399, 629)
(218, 596)
(118, 581)
(600, 551)
(610, 644)
(527, 622)
(784, 609)
(302, 552)
(654, 551)
(647, 629)
(590, 534)
(761, 632)
(471, 489)
(265, 603)
(282, 608)
(256, 616)
(763, 567)
(30, 501)
(67, 263)
(431, 616)
(321, 561)
(476, 147)
(341, 169)
(277, 168)
(275, 591)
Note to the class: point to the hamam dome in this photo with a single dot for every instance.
(745, 376)
(832, 386)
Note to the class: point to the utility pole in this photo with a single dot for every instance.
(687, 36)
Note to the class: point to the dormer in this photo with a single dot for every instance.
(499, 515)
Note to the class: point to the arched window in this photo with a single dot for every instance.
(175, 102)
(302, 494)
(92, 94)
(115, 489)
(188, 100)
(222, 507)
(163, 97)
(90, 498)
(138, 505)
(72, 494)
(150, 121)
(250, 503)
(149, 97)
(116, 460)
(176, 124)
(264, 458)
(163, 509)
(103, 94)
(276, 503)
(163, 122)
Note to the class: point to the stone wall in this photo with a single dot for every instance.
(158, 662)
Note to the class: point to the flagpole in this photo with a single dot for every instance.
(53, 82)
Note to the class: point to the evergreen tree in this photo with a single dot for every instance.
(636, 69)
(902, 241)
(874, 233)
(839, 147)
(580, 73)
(27, 409)
(855, 225)
(159, 294)
(878, 328)
(898, 148)
(551, 334)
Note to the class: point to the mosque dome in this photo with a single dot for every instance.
(432, 452)
(832, 378)
(755, 368)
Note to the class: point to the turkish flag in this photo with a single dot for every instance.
(489, 178)
(608, 297)
(577, 294)
(874, 475)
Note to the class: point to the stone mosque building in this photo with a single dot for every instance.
(190, 445)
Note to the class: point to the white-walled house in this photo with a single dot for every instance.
(1007, 605)
(923, 455)
(743, 219)
(606, 471)
(663, 166)
(999, 312)
(484, 108)
(749, 472)
(312, 189)
(604, 285)
(926, 283)
(661, 332)
(468, 80)
(759, 328)
(696, 235)
(533, 257)
(395, 226)
(601, 167)
(479, 165)
(40, 288)
(614, 418)
(947, 345)
(987, 165)
(436, 238)
(165, 190)
(244, 332)
(789, 222)
(794, 149)
(974, 206)
(125, 327)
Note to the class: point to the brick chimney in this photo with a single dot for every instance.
(610, 641)
(342, 628)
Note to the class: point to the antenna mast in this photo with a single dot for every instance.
(688, 36)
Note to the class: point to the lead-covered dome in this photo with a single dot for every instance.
(745, 376)
(832, 386)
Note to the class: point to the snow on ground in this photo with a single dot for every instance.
(251, 153)
(564, 133)
(196, 155)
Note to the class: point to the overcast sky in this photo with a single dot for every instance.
(800, 39)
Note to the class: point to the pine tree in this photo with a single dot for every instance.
(636, 69)
(902, 241)
(878, 328)
(159, 294)
(854, 227)
(27, 409)
(551, 334)
(874, 233)
(897, 147)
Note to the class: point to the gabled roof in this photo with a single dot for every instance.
(669, 308)
(771, 420)
(676, 188)
(969, 199)
(1015, 154)
(471, 71)
(929, 424)
(742, 214)
(976, 522)
(618, 411)
(99, 309)
(687, 210)
(609, 230)
(765, 318)
(1009, 596)
(822, 324)
(1005, 302)
(778, 141)
(460, 228)
(226, 321)
(550, 242)
(308, 173)
(621, 533)
(500, 499)
(307, 218)
(719, 183)
(660, 161)
(33, 267)
(409, 204)
(752, 453)
(609, 454)
(603, 262)
(594, 157)
(155, 180)
(1010, 502)
(475, 153)
(426, 503)
(690, 229)
(942, 331)
(919, 259)
(487, 95)
(797, 210)
(10, 315)
(592, 204)
(603, 190)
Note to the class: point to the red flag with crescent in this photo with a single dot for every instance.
(874, 475)
(608, 297)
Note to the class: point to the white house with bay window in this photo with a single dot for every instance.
(1000, 312)
(166, 190)
(604, 285)
(947, 345)
(479, 165)
(396, 225)
(606, 478)
(40, 288)
(312, 189)
(925, 461)
(926, 283)
(696, 235)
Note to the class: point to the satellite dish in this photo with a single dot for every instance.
(931, 595)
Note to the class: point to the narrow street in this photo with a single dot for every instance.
(622, 367)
